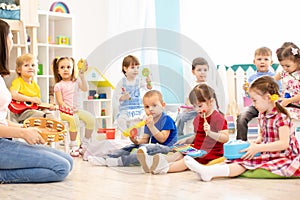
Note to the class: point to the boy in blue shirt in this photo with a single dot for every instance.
(160, 134)
(262, 61)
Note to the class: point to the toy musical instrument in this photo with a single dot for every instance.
(146, 73)
(187, 107)
(51, 130)
(18, 107)
(204, 117)
(232, 149)
(132, 131)
(188, 149)
(82, 65)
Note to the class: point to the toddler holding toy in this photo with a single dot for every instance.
(210, 129)
(289, 57)
(262, 61)
(66, 89)
(128, 94)
(280, 152)
(160, 134)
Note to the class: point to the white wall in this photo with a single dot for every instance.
(229, 30)
(90, 21)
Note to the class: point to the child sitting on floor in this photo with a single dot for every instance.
(210, 129)
(160, 131)
(280, 152)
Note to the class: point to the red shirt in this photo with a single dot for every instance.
(213, 148)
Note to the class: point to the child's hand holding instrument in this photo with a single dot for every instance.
(132, 131)
(204, 117)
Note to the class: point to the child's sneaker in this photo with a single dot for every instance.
(74, 152)
(96, 160)
(145, 160)
(84, 145)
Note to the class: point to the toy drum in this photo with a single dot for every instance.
(232, 149)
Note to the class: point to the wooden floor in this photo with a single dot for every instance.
(93, 182)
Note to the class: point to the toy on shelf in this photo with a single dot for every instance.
(59, 6)
(62, 40)
(132, 131)
(146, 74)
(188, 149)
(82, 65)
(232, 149)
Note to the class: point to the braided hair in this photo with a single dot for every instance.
(268, 85)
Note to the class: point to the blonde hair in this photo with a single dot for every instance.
(21, 60)
(152, 93)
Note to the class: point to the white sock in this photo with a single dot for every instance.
(206, 173)
(114, 162)
(159, 165)
(73, 144)
(96, 160)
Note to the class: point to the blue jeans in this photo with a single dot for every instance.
(242, 122)
(130, 158)
(24, 163)
(182, 118)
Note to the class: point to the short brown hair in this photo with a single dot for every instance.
(263, 51)
(199, 61)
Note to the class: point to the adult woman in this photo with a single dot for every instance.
(24, 162)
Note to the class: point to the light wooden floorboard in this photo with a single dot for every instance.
(94, 182)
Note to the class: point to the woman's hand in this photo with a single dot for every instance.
(32, 135)
(250, 151)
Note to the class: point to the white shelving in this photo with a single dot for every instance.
(101, 85)
(52, 25)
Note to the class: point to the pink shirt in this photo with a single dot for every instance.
(70, 92)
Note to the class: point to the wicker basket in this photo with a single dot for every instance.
(51, 130)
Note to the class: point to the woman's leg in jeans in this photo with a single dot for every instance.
(242, 122)
(23, 163)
